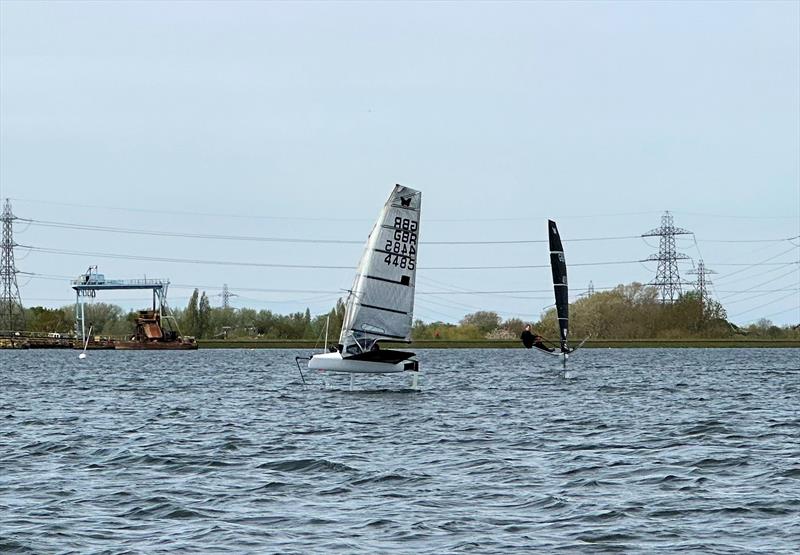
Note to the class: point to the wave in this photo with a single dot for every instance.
(306, 465)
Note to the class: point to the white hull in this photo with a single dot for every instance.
(333, 362)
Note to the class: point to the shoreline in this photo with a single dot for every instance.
(513, 344)
(316, 346)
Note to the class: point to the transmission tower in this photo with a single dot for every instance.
(668, 279)
(701, 285)
(12, 315)
(226, 296)
(589, 290)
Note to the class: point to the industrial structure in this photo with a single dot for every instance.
(668, 279)
(155, 329)
(12, 314)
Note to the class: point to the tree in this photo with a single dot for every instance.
(224, 322)
(102, 317)
(633, 311)
(203, 316)
(484, 321)
(191, 315)
(247, 318)
(56, 320)
(308, 331)
(264, 322)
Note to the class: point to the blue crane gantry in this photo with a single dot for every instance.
(88, 284)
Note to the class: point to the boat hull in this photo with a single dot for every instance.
(154, 346)
(333, 362)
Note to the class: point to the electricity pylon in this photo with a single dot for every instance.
(226, 296)
(701, 285)
(668, 279)
(12, 315)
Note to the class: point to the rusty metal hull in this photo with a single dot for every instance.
(155, 346)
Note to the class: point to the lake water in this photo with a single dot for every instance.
(222, 451)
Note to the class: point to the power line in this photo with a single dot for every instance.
(461, 291)
(265, 239)
(771, 280)
(736, 216)
(797, 308)
(760, 263)
(185, 260)
(155, 233)
(206, 236)
(306, 218)
(784, 239)
(750, 265)
(190, 213)
(758, 296)
(527, 267)
(290, 266)
(763, 305)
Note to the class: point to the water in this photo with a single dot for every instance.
(642, 451)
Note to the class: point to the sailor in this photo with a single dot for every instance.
(530, 339)
(527, 337)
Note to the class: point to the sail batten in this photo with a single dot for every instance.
(383, 308)
(374, 334)
(381, 302)
(384, 279)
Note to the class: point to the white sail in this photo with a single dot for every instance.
(381, 303)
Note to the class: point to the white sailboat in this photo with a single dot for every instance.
(380, 306)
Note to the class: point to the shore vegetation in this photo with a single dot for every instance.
(630, 312)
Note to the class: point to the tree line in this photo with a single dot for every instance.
(630, 311)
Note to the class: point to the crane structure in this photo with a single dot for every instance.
(89, 283)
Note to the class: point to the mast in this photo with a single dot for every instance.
(558, 265)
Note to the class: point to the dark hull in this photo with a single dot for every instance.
(155, 346)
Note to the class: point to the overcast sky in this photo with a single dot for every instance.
(295, 120)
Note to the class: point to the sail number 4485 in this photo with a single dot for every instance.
(401, 249)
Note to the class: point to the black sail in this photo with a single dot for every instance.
(559, 267)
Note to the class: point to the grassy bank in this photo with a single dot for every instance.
(486, 344)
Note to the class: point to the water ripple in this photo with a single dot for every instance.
(640, 451)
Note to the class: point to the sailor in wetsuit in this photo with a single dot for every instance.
(530, 339)
(527, 337)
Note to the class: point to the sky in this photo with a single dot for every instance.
(281, 128)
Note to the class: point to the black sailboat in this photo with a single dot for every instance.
(558, 265)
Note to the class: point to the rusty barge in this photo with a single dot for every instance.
(151, 334)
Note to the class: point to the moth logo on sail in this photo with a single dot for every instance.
(405, 202)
